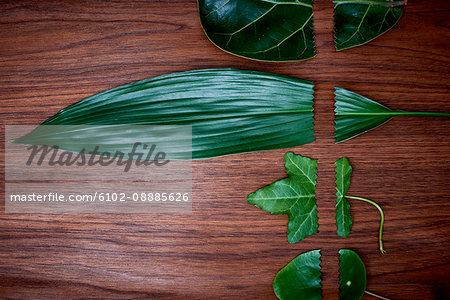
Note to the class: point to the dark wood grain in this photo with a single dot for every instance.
(54, 53)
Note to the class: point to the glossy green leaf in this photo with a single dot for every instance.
(230, 111)
(343, 218)
(293, 196)
(358, 22)
(352, 275)
(268, 30)
(355, 114)
(300, 278)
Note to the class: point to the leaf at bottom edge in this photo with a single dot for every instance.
(352, 275)
(300, 278)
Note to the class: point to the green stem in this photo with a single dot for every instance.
(380, 235)
(395, 113)
(376, 296)
(421, 113)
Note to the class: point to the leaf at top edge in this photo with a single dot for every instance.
(293, 196)
(267, 30)
(343, 218)
(358, 22)
(230, 111)
(352, 275)
(300, 278)
(355, 114)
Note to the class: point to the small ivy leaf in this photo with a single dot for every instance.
(293, 196)
(356, 114)
(352, 275)
(343, 218)
(300, 278)
(358, 22)
(267, 30)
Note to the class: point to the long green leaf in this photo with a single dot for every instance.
(230, 111)
(268, 30)
(300, 278)
(359, 21)
(355, 114)
(293, 196)
(343, 218)
(352, 275)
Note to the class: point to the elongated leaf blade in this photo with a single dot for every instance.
(293, 196)
(230, 111)
(355, 114)
(268, 30)
(360, 21)
(343, 218)
(352, 275)
(300, 278)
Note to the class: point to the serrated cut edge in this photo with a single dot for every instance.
(320, 270)
(314, 110)
(314, 37)
(337, 92)
(334, 27)
(340, 278)
(321, 273)
(314, 211)
(335, 111)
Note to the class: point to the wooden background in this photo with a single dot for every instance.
(54, 53)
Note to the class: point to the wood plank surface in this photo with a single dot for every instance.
(54, 53)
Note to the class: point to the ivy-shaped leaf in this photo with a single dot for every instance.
(343, 218)
(230, 111)
(293, 196)
(358, 22)
(300, 278)
(355, 114)
(268, 30)
(352, 275)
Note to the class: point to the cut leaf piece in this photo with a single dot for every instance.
(268, 30)
(357, 22)
(352, 275)
(300, 278)
(343, 218)
(293, 196)
(230, 111)
(355, 114)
